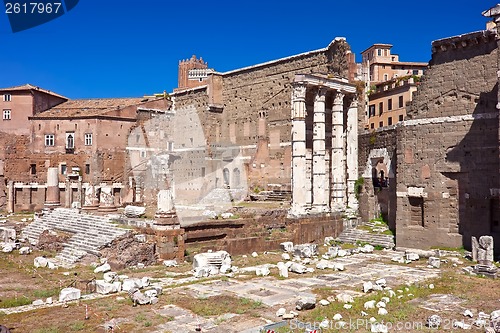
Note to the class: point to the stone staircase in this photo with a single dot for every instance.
(90, 233)
(375, 236)
(280, 196)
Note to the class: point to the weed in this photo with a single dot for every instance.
(13, 302)
(47, 330)
(78, 326)
(140, 317)
(147, 324)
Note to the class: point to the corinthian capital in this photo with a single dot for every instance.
(299, 91)
(339, 98)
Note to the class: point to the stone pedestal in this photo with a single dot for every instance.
(107, 200)
(52, 198)
(166, 216)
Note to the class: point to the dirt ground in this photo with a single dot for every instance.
(21, 284)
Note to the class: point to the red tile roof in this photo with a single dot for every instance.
(31, 87)
(89, 107)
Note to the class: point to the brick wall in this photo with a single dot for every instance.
(448, 154)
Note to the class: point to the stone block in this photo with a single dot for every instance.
(69, 294)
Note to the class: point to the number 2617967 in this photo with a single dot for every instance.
(32, 7)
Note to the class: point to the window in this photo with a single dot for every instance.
(49, 140)
(6, 114)
(386, 77)
(63, 169)
(87, 169)
(401, 101)
(389, 121)
(70, 140)
(88, 139)
(7, 97)
(379, 52)
(372, 125)
(33, 169)
(400, 117)
(371, 111)
(415, 72)
(389, 104)
(380, 108)
(381, 124)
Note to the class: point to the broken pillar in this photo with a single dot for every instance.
(91, 199)
(107, 200)
(165, 216)
(52, 198)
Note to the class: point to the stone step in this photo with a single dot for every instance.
(90, 233)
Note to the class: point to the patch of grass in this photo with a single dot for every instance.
(219, 305)
(451, 249)
(47, 330)
(13, 302)
(45, 293)
(148, 324)
(77, 326)
(140, 317)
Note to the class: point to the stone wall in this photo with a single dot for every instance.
(265, 233)
(247, 111)
(448, 152)
(377, 153)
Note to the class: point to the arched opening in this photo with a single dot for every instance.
(236, 178)
(225, 174)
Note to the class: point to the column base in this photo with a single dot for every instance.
(320, 208)
(52, 204)
(90, 207)
(107, 209)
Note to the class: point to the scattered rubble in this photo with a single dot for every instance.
(134, 211)
(434, 262)
(211, 263)
(127, 251)
(69, 294)
(305, 303)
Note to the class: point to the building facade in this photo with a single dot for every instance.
(441, 164)
(387, 103)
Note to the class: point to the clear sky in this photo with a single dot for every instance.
(113, 48)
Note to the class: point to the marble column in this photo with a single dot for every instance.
(300, 183)
(337, 155)
(53, 198)
(320, 200)
(91, 200)
(107, 200)
(352, 152)
(10, 197)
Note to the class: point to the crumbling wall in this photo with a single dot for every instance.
(261, 233)
(377, 156)
(256, 114)
(447, 154)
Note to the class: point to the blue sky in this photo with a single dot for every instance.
(112, 48)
